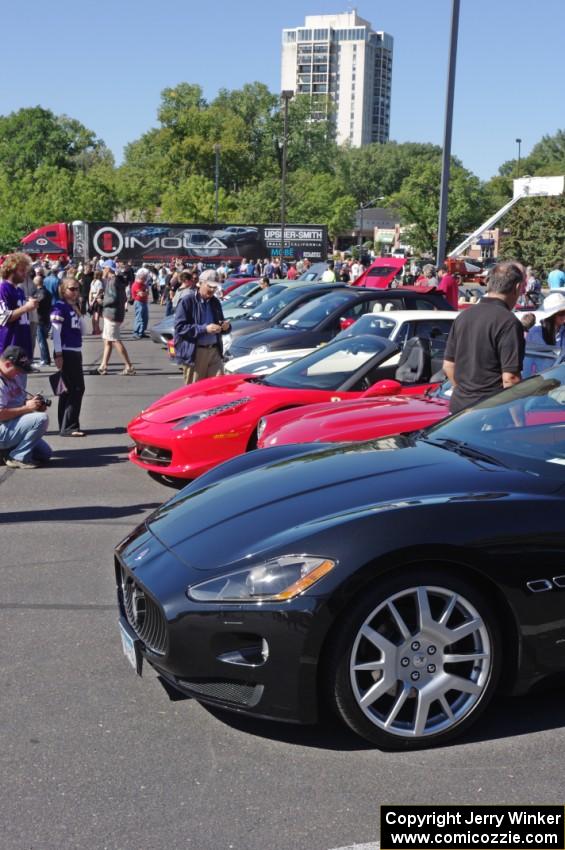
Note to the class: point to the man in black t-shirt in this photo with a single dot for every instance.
(485, 347)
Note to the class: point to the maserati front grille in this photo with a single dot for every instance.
(143, 614)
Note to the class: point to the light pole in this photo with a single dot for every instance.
(216, 181)
(519, 143)
(446, 159)
(286, 96)
(363, 207)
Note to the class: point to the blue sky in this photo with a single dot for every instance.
(105, 63)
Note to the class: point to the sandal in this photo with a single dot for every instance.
(77, 434)
(102, 371)
(130, 371)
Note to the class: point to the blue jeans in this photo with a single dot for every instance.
(23, 436)
(42, 331)
(141, 318)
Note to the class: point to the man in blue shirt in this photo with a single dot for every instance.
(23, 420)
(51, 282)
(199, 325)
(556, 278)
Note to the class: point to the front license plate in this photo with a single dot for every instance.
(128, 645)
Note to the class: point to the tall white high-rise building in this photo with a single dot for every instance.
(342, 57)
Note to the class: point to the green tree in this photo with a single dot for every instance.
(311, 144)
(260, 202)
(536, 228)
(546, 158)
(94, 195)
(321, 199)
(194, 200)
(374, 170)
(140, 180)
(418, 204)
(497, 192)
(34, 137)
(254, 106)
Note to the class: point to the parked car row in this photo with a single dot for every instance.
(374, 555)
(398, 326)
(402, 580)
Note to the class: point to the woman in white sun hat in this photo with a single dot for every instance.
(551, 330)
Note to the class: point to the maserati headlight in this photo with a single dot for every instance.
(274, 581)
(261, 349)
(261, 427)
(193, 418)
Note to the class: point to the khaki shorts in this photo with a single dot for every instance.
(111, 330)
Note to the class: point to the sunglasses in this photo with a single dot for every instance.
(72, 288)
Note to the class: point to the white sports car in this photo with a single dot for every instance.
(397, 325)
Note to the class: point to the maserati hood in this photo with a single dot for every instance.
(280, 503)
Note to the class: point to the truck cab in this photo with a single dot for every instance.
(52, 241)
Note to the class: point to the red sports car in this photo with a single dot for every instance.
(368, 419)
(362, 419)
(381, 273)
(192, 429)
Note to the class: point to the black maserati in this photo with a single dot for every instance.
(401, 581)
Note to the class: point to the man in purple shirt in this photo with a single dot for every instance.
(14, 306)
(23, 421)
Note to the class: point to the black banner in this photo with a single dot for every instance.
(472, 827)
(208, 243)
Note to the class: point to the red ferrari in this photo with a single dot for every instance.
(363, 419)
(381, 273)
(368, 419)
(192, 429)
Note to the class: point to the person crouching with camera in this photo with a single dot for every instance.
(23, 421)
(66, 321)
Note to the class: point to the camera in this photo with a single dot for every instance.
(46, 402)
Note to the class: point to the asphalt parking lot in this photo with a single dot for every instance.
(95, 757)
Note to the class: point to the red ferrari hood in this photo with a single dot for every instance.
(353, 420)
(381, 272)
(228, 389)
(202, 396)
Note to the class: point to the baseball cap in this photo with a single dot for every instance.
(18, 357)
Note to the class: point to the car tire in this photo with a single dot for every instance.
(388, 675)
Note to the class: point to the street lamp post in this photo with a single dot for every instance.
(216, 181)
(519, 143)
(360, 240)
(362, 208)
(286, 96)
(446, 159)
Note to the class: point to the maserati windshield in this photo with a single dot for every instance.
(523, 426)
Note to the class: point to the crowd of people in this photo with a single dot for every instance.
(48, 306)
(43, 303)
